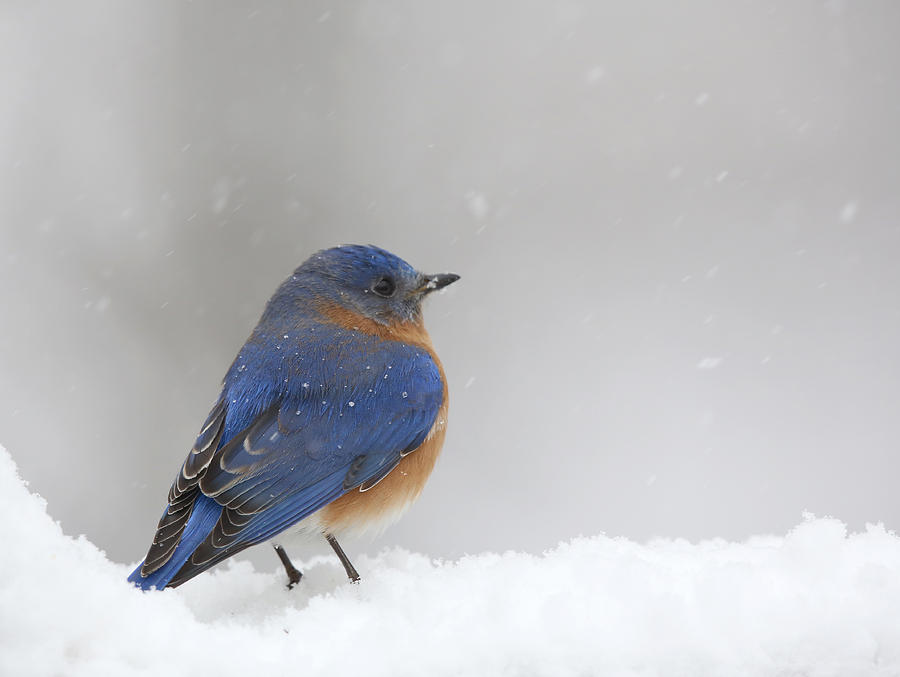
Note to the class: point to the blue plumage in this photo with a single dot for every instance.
(332, 389)
(205, 514)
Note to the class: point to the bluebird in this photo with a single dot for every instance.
(330, 420)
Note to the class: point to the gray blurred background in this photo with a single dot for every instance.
(677, 224)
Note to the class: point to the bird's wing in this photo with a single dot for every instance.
(304, 450)
(185, 490)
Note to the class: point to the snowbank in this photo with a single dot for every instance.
(816, 602)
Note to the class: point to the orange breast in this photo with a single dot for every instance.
(384, 503)
(388, 500)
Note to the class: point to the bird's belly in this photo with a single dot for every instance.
(377, 508)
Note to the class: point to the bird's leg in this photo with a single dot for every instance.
(348, 566)
(292, 572)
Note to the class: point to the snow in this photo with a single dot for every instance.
(594, 75)
(818, 601)
(848, 212)
(709, 363)
(478, 204)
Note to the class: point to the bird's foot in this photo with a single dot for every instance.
(293, 578)
(293, 573)
(352, 574)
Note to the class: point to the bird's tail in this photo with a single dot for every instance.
(204, 516)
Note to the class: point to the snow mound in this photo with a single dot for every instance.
(815, 602)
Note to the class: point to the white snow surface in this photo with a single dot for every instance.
(818, 601)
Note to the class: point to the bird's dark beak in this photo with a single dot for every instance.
(439, 281)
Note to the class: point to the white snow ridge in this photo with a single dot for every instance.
(815, 602)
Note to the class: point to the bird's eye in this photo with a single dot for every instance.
(385, 287)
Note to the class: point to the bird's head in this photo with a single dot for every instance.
(370, 281)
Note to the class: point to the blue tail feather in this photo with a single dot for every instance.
(203, 518)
